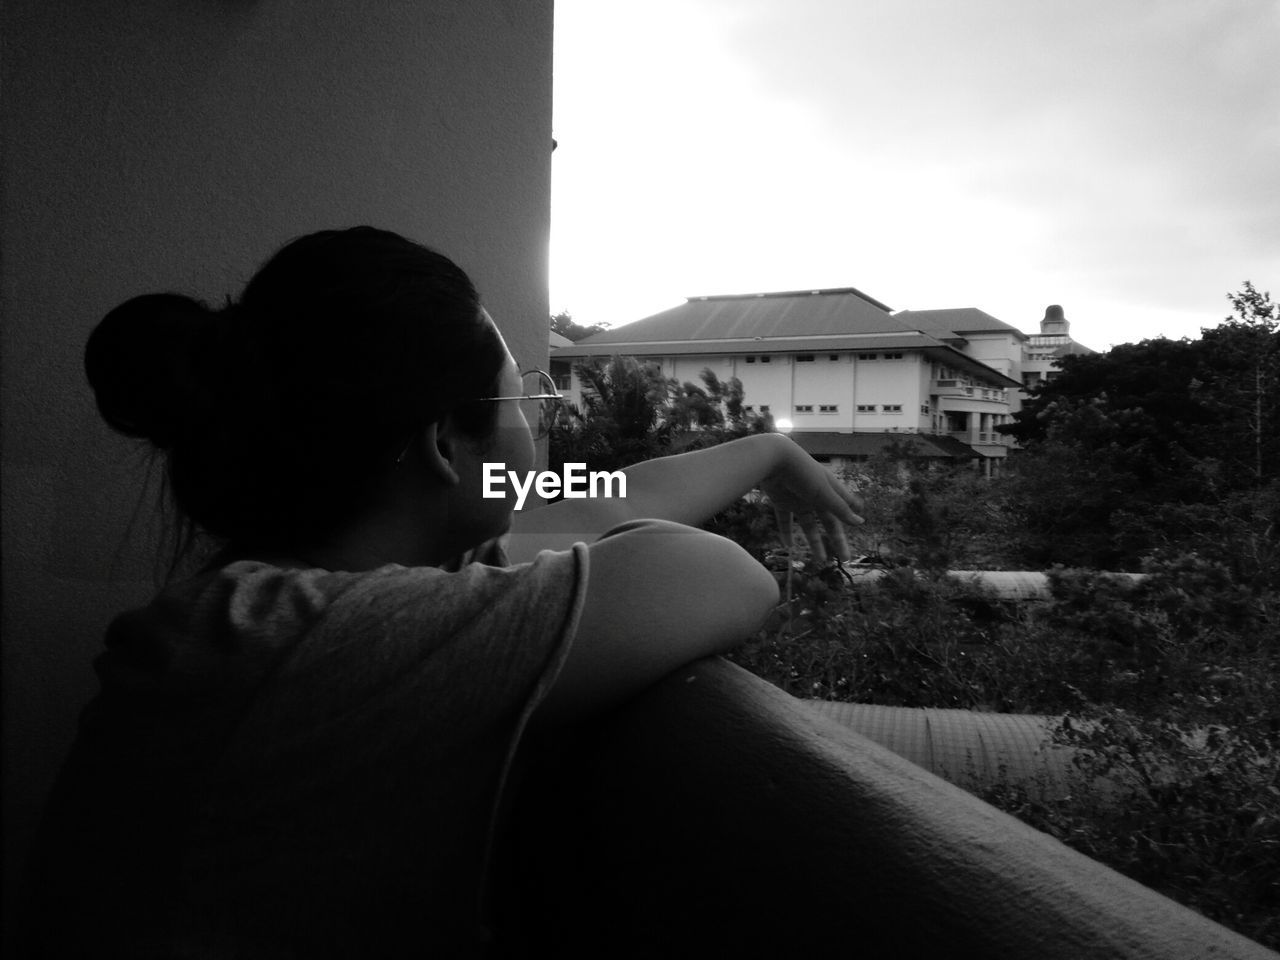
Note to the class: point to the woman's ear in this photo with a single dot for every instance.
(440, 445)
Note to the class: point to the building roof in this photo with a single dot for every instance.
(843, 310)
(934, 349)
(559, 340)
(957, 322)
(870, 444)
(672, 348)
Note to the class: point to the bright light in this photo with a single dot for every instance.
(783, 426)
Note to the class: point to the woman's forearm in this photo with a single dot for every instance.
(692, 487)
(684, 488)
(689, 488)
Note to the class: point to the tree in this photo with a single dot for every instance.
(1190, 418)
(1241, 380)
(563, 324)
(1128, 452)
(710, 414)
(630, 412)
(619, 422)
(692, 407)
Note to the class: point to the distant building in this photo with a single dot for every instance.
(851, 376)
(1043, 352)
(560, 370)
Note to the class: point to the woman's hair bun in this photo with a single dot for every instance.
(139, 361)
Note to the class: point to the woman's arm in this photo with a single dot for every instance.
(658, 595)
(689, 488)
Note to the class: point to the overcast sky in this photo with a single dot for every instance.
(1119, 157)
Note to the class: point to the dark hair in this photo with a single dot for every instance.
(279, 412)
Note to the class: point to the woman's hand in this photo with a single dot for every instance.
(687, 488)
(801, 488)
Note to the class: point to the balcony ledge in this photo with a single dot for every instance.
(717, 816)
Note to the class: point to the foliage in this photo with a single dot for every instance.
(1145, 425)
(619, 423)
(1193, 812)
(563, 324)
(1168, 687)
(1127, 453)
(630, 413)
(1239, 382)
(927, 514)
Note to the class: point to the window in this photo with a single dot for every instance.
(892, 408)
(804, 408)
(804, 358)
(924, 408)
(751, 359)
(868, 356)
(893, 356)
(828, 408)
(866, 408)
(833, 357)
(561, 374)
(765, 359)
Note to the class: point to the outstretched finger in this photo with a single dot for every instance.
(813, 527)
(850, 501)
(835, 536)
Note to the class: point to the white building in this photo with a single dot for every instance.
(851, 376)
(1044, 351)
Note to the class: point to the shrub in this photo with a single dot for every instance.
(1196, 815)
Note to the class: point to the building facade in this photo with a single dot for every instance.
(840, 370)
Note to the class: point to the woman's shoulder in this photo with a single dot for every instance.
(481, 583)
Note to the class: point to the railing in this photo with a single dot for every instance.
(717, 816)
(951, 388)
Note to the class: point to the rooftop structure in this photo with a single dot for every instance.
(1044, 351)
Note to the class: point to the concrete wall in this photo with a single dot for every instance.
(174, 144)
(847, 382)
(1002, 351)
(884, 382)
(715, 816)
(689, 369)
(766, 384)
(822, 381)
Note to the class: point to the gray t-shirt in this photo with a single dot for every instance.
(297, 762)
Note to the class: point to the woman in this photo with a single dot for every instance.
(299, 750)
